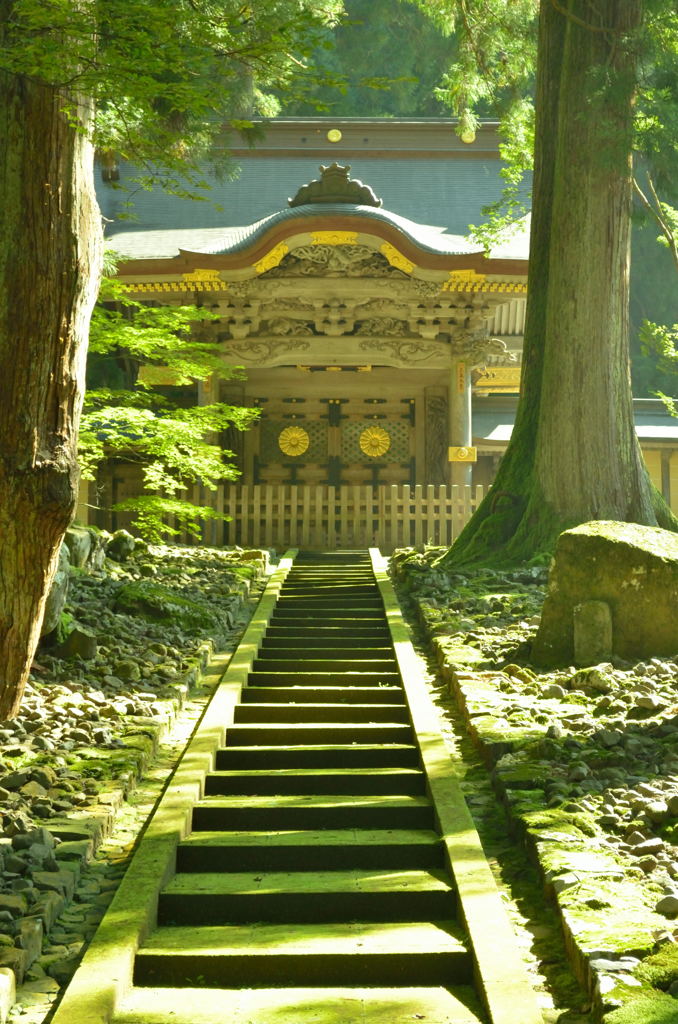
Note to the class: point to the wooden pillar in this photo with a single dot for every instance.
(666, 476)
(436, 427)
(460, 434)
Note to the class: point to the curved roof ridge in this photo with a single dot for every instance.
(428, 238)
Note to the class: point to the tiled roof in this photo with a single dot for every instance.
(493, 420)
(449, 194)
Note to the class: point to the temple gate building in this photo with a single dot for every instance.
(382, 345)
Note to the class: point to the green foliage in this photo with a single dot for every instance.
(169, 78)
(175, 446)
(390, 57)
(492, 73)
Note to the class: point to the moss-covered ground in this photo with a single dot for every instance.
(586, 765)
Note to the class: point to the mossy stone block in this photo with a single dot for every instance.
(633, 569)
(157, 603)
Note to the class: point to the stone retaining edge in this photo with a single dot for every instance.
(105, 973)
(92, 826)
(454, 676)
(500, 972)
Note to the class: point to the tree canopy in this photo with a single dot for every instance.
(573, 454)
(168, 78)
(385, 59)
(174, 443)
(164, 83)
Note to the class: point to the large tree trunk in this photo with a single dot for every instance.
(574, 454)
(50, 255)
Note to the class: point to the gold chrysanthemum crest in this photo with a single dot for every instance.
(375, 441)
(293, 441)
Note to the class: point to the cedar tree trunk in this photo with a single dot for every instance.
(50, 256)
(574, 454)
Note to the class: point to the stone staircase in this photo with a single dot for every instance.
(312, 888)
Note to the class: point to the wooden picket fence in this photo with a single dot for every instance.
(324, 518)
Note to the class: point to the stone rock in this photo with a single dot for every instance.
(30, 938)
(610, 737)
(120, 546)
(566, 881)
(62, 970)
(657, 811)
(592, 622)
(553, 690)
(62, 882)
(648, 846)
(593, 680)
(78, 540)
(157, 603)
(128, 670)
(49, 905)
(33, 789)
(56, 599)
(7, 991)
(15, 959)
(47, 777)
(15, 780)
(634, 569)
(36, 835)
(80, 642)
(97, 555)
(668, 906)
(13, 903)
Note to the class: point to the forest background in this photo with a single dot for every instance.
(379, 36)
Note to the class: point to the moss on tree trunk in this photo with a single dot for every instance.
(50, 254)
(574, 454)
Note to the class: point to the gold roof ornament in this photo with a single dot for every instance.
(293, 441)
(375, 441)
(396, 258)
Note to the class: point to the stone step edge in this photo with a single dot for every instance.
(105, 971)
(198, 1006)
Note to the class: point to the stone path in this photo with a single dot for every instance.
(316, 884)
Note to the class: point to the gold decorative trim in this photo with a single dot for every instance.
(462, 453)
(334, 237)
(272, 258)
(183, 286)
(293, 441)
(396, 258)
(375, 441)
(470, 281)
(201, 275)
(498, 378)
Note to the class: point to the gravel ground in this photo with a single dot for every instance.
(586, 762)
(94, 731)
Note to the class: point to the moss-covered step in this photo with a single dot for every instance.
(339, 616)
(317, 663)
(328, 755)
(309, 897)
(341, 592)
(327, 849)
(343, 645)
(317, 1005)
(312, 812)
(316, 732)
(340, 601)
(344, 629)
(362, 678)
(306, 713)
(262, 782)
(323, 694)
(357, 953)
